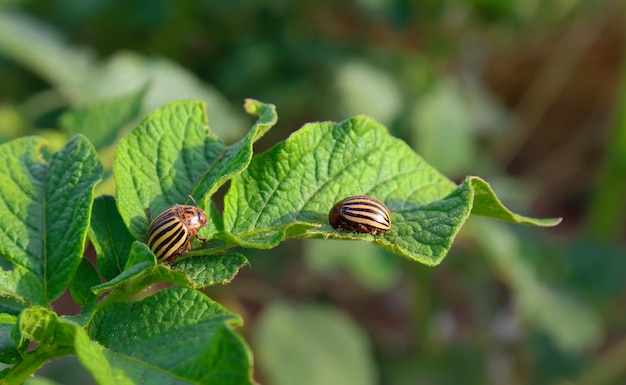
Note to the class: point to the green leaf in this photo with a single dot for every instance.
(292, 187)
(289, 190)
(85, 278)
(209, 270)
(336, 350)
(10, 350)
(109, 236)
(44, 327)
(188, 338)
(11, 305)
(172, 154)
(101, 121)
(487, 204)
(45, 207)
(99, 361)
(141, 271)
(237, 157)
(55, 337)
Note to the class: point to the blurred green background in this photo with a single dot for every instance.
(528, 94)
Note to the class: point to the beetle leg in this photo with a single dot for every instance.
(194, 233)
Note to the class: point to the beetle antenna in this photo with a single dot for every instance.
(194, 201)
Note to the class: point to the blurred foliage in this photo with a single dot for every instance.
(527, 93)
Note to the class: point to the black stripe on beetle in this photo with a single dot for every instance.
(360, 214)
(169, 234)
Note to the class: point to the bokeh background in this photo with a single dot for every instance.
(528, 94)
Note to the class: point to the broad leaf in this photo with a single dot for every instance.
(289, 190)
(45, 207)
(172, 154)
(188, 338)
(109, 237)
(97, 360)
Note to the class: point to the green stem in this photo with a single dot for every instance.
(31, 362)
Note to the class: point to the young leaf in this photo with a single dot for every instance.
(44, 327)
(109, 237)
(10, 351)
(487, 204)
(141, 271)
(172, 154)
(237, 157)
(55, 337)
(85, 278)
(100, 122)
(45, 207)
(289, 190)
(206, 270)
(10, 305)
(188, 338)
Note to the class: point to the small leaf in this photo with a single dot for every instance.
(312, 345)
(487, 204)
(237, 157)
(44, 327)
(289, 190)
(209, 270)
(101, 122)
(85, 278)
(10, 351)
(109, 236)
(172, 154)
(11, 305)
(141, 271)
(45, 207)
(188, 338)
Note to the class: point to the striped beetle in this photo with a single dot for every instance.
(360, 214)
(169, 235)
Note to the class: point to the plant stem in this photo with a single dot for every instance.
(33, 361)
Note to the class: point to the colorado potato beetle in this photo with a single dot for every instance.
(360, 214)
(169, 235)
